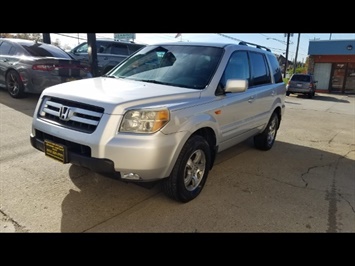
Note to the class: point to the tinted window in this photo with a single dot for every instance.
(43, 50)
(276, 70)
(82, 48)
(302, 78)
(132, 48)
(5, 48)
(260, 71)
(117, 48)
(237, 68)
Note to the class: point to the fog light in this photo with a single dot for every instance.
(131, 176)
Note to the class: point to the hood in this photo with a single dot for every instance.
(110, 92)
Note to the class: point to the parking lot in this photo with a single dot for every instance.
(305, 183)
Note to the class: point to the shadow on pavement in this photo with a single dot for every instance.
(25, 105)
(99, 199)
(327, 98)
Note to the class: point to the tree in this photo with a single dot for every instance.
(28, 36)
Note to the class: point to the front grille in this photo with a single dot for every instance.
(70, 114)
(71, 146)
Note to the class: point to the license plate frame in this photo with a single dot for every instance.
(56, 151)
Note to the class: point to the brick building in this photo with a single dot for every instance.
(333, 65)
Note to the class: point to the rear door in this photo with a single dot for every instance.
(6, 49)
(265, 90)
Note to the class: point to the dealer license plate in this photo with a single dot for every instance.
(56, 151)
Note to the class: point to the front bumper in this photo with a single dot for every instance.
(102, 166)
(149, 157)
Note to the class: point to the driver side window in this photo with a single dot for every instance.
(237, 68)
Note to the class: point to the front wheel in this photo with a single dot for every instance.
(14, 84)
(190, 172)
(265, 140)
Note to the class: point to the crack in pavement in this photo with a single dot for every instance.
(130, 208)
(334, 137)
(331, 196)
(340, 195)
(18, 227)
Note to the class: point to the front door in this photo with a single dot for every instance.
(338, 76)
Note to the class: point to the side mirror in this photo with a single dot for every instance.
(236, 85)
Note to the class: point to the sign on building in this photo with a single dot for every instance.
(124, 36)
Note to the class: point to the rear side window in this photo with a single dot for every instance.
(5, 48)
(302, 78)
(117, 48)
(260, 69)
(276, 70)
(42, 50)
(133, 47)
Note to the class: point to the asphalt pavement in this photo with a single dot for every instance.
(305, 183)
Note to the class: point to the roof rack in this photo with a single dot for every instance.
(256, 45)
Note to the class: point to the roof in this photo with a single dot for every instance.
(332, 47)
(213, 44)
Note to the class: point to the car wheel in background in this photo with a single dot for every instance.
(14, 84)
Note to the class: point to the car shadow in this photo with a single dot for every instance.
(328, 98)
(25, 105)
(97, 200)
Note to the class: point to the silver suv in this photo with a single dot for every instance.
(164, 113)
(109, 53)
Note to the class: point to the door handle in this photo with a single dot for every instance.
(251, 99)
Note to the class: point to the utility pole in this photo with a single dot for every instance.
(295, 62)
(286, 63)
(92, 52)
(46, 38)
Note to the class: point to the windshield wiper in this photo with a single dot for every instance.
(108, 76)
(154, 81)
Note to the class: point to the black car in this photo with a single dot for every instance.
(29, 66)
(109, 53)
(301, 84)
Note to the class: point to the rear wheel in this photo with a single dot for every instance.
(190, 172)
(14, 84)
(266, 139)
(287, 93)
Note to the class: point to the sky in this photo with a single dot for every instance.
(277, 42)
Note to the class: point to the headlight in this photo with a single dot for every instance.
(144, 121)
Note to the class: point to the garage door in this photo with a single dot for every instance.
(322, 75)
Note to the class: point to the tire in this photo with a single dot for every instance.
(14, 84)
(310, 95)
(190, 172)
(265, 140)
(287, 93)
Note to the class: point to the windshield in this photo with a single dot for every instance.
(176, 65)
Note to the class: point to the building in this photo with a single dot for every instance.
(333, 65)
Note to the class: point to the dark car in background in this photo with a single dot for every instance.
(109, 53)
(28, 66)
(301, 84)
